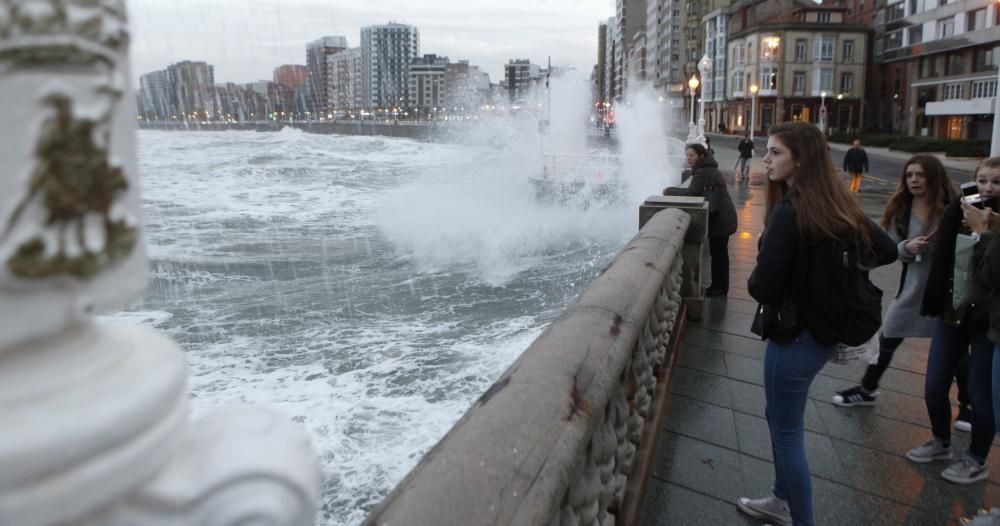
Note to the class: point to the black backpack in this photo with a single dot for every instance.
(838, 302)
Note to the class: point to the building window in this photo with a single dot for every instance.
(769, 78)
(894, 40)
(848, 51)
(916, 6)
(976, 20)
(800, 51)
(928, 67)
(823, 16)
(953, 91)
(955, 64)
(983, 60)
(737, 82)
(799, 83)
(769, 48)
(846, 82)
(984, 89)
(946, 27)
(824, 48)
(895, 12)
(916, 35)
(826, 79)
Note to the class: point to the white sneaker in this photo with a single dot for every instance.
(771, 508)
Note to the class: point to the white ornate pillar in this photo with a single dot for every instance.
(94, 415)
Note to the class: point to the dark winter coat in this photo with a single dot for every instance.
(986, 256)
(937, 295)
(746, 148)
(704, 174)
(782, 267)
(856, 161)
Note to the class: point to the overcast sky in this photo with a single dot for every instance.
(246, 39)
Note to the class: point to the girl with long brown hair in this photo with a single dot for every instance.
(911, 218)
(809, 213)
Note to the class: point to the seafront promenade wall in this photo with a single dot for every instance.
(566, 435)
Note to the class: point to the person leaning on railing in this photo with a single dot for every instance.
(706, 179)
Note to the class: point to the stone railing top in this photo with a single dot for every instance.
(510, 458)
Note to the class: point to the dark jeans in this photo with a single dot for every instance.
(718, 248)
(949, 345)
(789, 370)
(888, 346)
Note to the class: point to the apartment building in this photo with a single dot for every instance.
(427, 84)
(519, 76)
(319, 80)
(938, 62)
(805, 60)
(386, 53)
(346, 82)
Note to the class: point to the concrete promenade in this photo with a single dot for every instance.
(715, 446)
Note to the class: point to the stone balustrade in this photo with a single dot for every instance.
(95, 419)
(565, 435)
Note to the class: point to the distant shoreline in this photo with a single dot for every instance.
(412, 130)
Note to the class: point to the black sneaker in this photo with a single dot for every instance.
(854, 396)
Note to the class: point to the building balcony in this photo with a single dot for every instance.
(960, 107)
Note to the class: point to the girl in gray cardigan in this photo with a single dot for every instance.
(910, 218)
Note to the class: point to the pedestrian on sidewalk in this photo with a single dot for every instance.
(856, 165)
(911, 218)
(706, 179)
(986, 259)
(809, 213)
(956, 330)
(745, 148)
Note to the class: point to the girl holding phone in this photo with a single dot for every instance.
(911, 218)
(959, 332)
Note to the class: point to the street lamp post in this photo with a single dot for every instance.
(753, 108)
(692, 130)
(705, 68)
(822, 111)
(836, 110)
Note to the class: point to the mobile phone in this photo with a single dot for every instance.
(970, 193)
(930, 236)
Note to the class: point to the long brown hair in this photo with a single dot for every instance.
(824, 207)
(940, 192)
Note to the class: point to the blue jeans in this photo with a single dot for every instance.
(949, 345)
(996, 384)
(789, 370)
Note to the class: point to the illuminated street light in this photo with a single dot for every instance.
(692, 130)
(753, 108)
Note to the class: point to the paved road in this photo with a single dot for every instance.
(884, 171)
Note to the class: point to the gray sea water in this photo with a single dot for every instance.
(369, 288)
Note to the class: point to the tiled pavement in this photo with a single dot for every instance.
(715, 445)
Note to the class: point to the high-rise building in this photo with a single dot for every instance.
(610, 61)
(713, 88)
(291, 75)
(317, 52)
(600, 70)
(937, 68)
(630, 18)
(386, 53)
(188, 90)
(427, 84)
(519, 76)
(465, 85)
(153, 99)
(346, 86)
